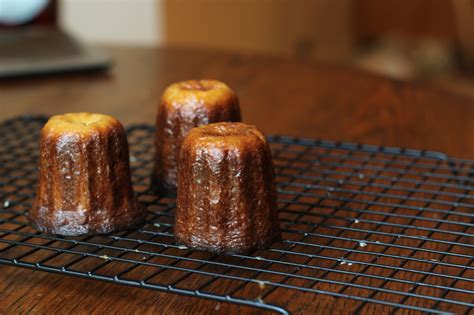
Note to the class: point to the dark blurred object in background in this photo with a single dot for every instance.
(464, 13)
(31, 42)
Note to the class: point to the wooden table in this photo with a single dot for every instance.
(280, 96)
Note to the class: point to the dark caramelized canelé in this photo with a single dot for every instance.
(186, 105)
(226, 190)
(84, 179)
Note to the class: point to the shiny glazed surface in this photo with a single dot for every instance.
(84, 177)
(186, 105)
(226, 190)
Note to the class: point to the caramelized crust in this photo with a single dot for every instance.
(84, 179)
(186, 105)
(226, 190)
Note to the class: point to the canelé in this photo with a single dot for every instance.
(226, 200)
(183, 106)
(84, 177)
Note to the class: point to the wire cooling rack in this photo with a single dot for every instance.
(365, 229)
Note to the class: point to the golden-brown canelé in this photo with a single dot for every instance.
(84, 179)
(186, 105)
(226, 190)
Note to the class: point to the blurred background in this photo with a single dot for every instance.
(418, 40)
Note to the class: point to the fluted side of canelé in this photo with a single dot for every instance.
(226, 196)
(186, 105)
(84, 178)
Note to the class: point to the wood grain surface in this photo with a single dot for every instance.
(279, 96)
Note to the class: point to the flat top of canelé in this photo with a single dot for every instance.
(210, 92)
(225, 132)
(79, 123)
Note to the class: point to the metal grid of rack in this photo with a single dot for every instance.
(389, 229)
